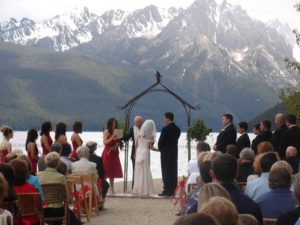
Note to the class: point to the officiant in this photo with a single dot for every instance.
(133, 133)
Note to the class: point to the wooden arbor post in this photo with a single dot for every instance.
(156, 87)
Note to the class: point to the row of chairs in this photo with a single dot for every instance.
(79, 195)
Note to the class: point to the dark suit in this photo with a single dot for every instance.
(242, 142)
(168, 146)
(101, 173)
(265, 136)
(290, 137)
(276, 137)
(226, 137)
(132, 156)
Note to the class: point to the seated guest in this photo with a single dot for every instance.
(245, 164)
(31, 178)
(193, 168)
(49, 176)
(61, 168)
(232, 150)
(222, 209)
(65, 154)
(22, 186)
(260, 186)
(9, 176)
(292, 159)
(204, 162)
(3, 191)
(264, 147)
(196, 219)
(224, 170)
(291, 217)
(101, 173)
(265, 134)
(84, 165)
(279, 200)
(243, 141)
(210, 190)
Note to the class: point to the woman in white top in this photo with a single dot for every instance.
(143, 183)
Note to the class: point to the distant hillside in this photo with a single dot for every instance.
(268, 115)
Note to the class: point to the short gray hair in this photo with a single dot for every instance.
(247, 154)
(52, 159)
(83, 152)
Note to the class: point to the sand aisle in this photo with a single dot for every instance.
(136, 211)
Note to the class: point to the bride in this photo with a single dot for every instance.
(143, 183)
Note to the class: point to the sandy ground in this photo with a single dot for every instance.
(136, 211)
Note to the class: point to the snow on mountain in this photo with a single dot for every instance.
(78, 26)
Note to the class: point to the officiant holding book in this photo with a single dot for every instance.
(168, 147)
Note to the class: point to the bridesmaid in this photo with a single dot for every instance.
(76, 139)
(5, 145)
(46, 140)
(60, 133)
(32, 149)
(110, 154)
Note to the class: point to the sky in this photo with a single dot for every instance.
(42, 9)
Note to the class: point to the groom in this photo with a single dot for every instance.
(167, 145)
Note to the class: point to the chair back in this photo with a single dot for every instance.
(56, 193)
(268, 221)
(29, 204)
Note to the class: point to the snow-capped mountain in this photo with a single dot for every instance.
(71, 29)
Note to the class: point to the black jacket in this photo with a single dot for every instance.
(265, 136)
(168, 140)
(276, 137)
(290, 137)
(226, 137)
(242, 142)
(129, 136)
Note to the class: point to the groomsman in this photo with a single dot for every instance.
(133, 133)
(228, 134)
(277, 133)
(243, 141)
(168, 146)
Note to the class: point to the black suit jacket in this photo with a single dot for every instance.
(99, 162)
(265, 136)
(276, 137)
(290, 137)
(242, 142)
(168, 140)
(127, 138)
(226, 137)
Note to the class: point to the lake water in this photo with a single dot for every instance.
(18, 142)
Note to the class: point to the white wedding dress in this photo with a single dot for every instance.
(143, 183)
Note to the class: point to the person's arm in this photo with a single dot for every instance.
(162, 139)
(106, 138)
(9, 148)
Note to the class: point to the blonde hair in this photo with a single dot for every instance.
(212, 155)
(52, 159)
(222, 209)
(210, 190)
(247, 219)
(282, 164)
(280, 174)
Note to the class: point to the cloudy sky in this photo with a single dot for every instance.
(41, 9)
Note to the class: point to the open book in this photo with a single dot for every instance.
(119, 133)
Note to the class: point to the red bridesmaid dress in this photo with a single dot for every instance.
(111, 160)
(50, 141)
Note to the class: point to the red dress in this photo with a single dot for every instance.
(50, 141)
(29, 188)
(4, 153)
(111, 160)
(74, 155)
(34, 159)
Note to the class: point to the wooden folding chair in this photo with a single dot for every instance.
(77, 196)
(268, 221)
(88, 179)
(30, 205)
(56, 193)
